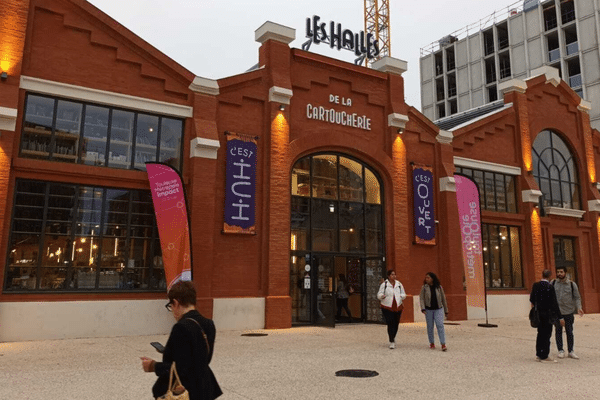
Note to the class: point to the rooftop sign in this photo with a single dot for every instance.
(335, 36)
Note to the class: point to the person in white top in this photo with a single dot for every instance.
(391, 293)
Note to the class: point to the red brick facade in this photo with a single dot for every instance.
(71, 42)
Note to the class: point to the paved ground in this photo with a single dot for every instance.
(300, 363)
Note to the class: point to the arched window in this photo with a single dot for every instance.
(555, 171)
(336, 206)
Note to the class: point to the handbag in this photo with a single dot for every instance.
(534, 317)
(170, 395)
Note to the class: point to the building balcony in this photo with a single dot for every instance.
(553, 55)
(504, 73)
(568, 16)
(572, 48)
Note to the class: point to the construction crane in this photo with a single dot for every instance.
(377, 23)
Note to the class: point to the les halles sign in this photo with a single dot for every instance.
(362, 45)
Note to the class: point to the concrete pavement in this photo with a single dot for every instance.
(300, 363)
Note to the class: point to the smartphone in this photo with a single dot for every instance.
(159, 347)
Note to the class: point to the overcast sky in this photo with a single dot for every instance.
(215, 38)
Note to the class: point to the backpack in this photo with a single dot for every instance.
(572, 288)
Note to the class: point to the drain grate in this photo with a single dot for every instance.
(255, 334)
(356, 373)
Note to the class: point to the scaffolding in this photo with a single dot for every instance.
(377, 23)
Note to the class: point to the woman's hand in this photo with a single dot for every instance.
(147, 364)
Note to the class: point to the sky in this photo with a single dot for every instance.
(215, 38)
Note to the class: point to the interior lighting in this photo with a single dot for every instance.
(282, 107)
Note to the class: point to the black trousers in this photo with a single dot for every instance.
(569, 321)
(392, 320)
(542, 342)
(342, 303)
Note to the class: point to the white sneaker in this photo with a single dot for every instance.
(573, 356)
(561, 354)
(392, 345)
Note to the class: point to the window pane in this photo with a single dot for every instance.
(55, 260)
(300, 223)
(517, 270)
(324, 179)
(66, 133)
(374, 229)
(505, 258)
(22, 261)
(500, 193)
(495, 256)
(89, 211)
(490, 203)
(146, 140)
(324, 225)
(478, 178)
(37, 128)
(121, 134)
(555, 192)
(351, 180)
(373, 189)
(576, 196)
(511, 197)
(171, 132)
(301, 178)
(95, 131)
(351, 227)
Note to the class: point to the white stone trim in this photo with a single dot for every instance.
(445, 137)
(594, 205)
(205, 86)
(204, 148)
(103, 97)
(44, 320)
(551, 73)
(531, 196)
(564, 212)
(513, 85)
(396, 120)
(280, 95)
(272, 31)
(486, 166)
(8, 119)
(390, 65)
(585, 106)
(239, 313)
(447, 184)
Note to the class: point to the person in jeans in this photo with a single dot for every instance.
(543, 296)
(343, 293)
(390, 294)
(569, 302)
(434, 306)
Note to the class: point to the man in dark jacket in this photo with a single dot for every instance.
(543, 297)
(190, 346)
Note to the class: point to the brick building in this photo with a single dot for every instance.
(85, 103)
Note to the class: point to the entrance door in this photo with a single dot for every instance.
(323, 293)
(564, 255)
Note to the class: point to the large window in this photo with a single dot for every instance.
(67, 237)
(502, 257)
(336, 206)
(74, 132)
(496, 191)
(555, 171)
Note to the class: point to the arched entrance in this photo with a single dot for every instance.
(336, 229)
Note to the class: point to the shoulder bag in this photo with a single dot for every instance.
(170, 395)
(534, 317)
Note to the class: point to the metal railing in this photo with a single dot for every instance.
(568, 16)
(490, 20)
(440, 95)
(502, 43)
(490, 77)
(504, 72)
(452, 91)
(551, 23)
(572, 48)
(575, 81)
(553, 55)
(451, 65)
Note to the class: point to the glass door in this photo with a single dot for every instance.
(323, 294)
(564, 255)
(375, 274)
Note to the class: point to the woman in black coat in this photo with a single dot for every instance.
(190, 346)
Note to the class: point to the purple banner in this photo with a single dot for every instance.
(240, 184)
(424, 219)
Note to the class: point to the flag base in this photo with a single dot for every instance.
(487, 325)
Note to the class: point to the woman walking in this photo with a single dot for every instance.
(391, 293)
(434, 306)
